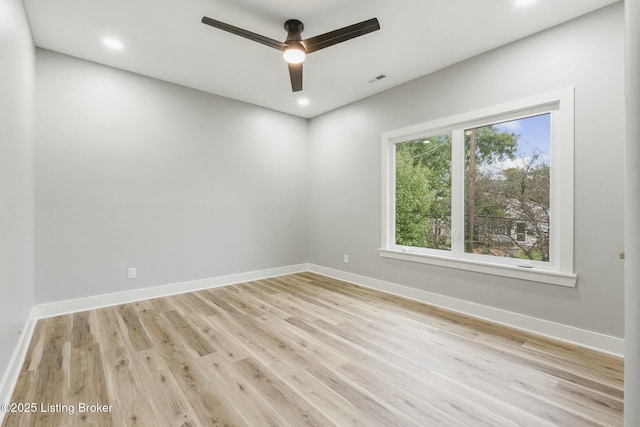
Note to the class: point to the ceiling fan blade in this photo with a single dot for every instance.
(295, 72)
(338, 36)
(244, 33)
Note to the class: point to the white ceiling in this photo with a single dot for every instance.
(165, 39)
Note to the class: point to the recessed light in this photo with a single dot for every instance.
(112, 43)
(303, 101)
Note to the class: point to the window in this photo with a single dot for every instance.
(520, 232)
(488, 191)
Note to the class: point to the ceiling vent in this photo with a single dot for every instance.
(377, 78)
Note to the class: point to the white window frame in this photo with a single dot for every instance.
(559, 269)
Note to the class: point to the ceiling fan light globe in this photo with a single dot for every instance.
(293, 55)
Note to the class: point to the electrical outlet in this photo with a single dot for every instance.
(132, 273)
(345, 259)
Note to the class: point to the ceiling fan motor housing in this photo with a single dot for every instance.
(294, 29)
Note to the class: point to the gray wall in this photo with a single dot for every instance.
(17, 55)
(182, 185)
(345, 187)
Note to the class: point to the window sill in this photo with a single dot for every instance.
(532, 274)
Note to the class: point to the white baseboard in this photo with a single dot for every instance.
(10, 377)
(594, 340)
(570, 334)
(99, 301)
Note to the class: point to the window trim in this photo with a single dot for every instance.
(559, 269)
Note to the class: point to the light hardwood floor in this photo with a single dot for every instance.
(306, 350)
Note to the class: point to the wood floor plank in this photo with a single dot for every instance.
(221, 339)
(88, 386)
(338, 410)
(250, 339)
(168, 403)
(162, 304)
(285, 302)
(312, 350)
(143, 305)
(189, 334)
(244, 306)
(52, 375)
(82, 334)
(181, 304)
(126, 391)
(336, 310)
(239, 390)
(200, 305)
(295, 409)
(132, 328)
(248, 293)
(363, 399)
(202, 395)
(587, 411)
(217, 298)
(25, 391)
(265, 335)
(36, 346)
(305, 349)
(395, 392)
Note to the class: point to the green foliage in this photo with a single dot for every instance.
(492, 145)
(535, 255)
(423, 192)
(414, 198)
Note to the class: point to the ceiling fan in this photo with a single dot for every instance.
(294, 49)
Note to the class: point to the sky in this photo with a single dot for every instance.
(534, 135)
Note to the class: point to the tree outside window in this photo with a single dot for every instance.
(506, 190)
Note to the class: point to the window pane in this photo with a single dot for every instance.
(423, 193)
(507, 186)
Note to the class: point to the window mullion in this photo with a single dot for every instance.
(457, 192)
